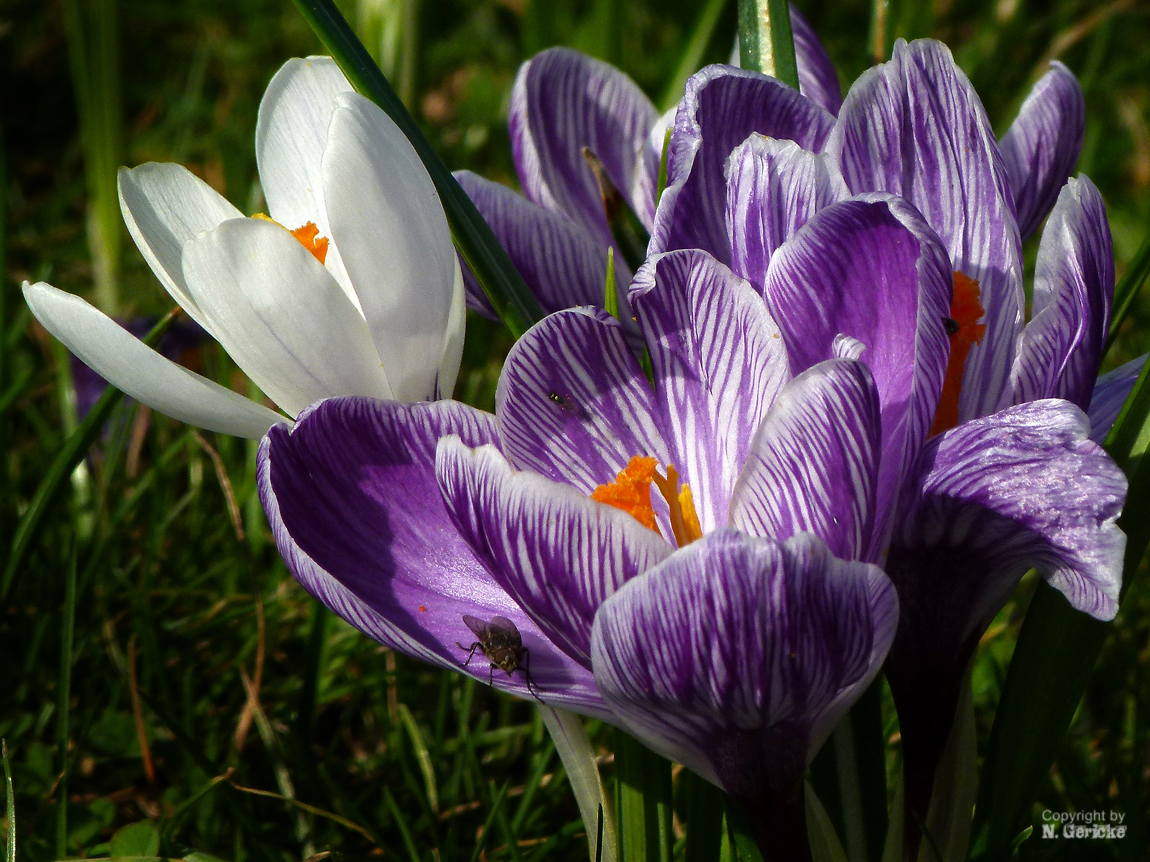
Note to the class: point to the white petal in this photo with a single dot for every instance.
(165, 205)
(291, 133)
(387, 220)
(128, 364)
(281, 315)
(453, 340)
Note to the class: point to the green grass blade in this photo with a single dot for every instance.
(704, 819)
(10, 796)
(766, 43)
(75, 447)
(422, 756)
(64, 704)
(5, 499)
(610, 290)
(502, 283)
(1056, 653)
(692, 55)
(1126, 291)
(643, 807)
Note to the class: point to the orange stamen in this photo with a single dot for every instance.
(631, 492)
(307, 236)
(965, 310)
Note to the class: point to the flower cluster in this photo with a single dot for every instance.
(847, 447)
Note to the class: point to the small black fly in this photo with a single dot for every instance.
(951, 325)
(502, 646)
(568, 404)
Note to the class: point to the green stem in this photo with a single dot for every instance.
(502, 283)
(765, 41)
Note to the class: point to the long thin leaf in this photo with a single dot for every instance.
(64, 703)
(10, 795)
(766, 43)
(1055, 655)
(643, 806)
(75, 447)
(692, 55)
(578, 756)
(502, 283)
(1126, 291)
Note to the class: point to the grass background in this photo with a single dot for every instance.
(199, 672)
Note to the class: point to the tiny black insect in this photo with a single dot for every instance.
(502, 646)
(569, 404)
(951, 325)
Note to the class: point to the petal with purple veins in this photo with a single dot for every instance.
(573, 402)
(557, 552)
(564, 101)
(818, 80)
(870, 269)
(356, 511)
(1042, 144)
(1061, 348)
(813, 466)
(915, 127)
(773, 189)
(728, 656)
(718, 362)
(559, 261)
(722, 106)
(993, 497)
(1110, 393)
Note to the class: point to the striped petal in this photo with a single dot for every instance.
(564, 101)
(573, 402)
(818, 80)
(729, 655)
(280, 315)
(164, 206)
(132, 367)
(718, 363)
(813, 466)
(1061, 348)
(992, 498)
(558, 553)
(560, 262)
(870, 268)
(1110, 393)
(915, 127)
(722, 106)
(1042, 144)
(354, 506)
(773, 189)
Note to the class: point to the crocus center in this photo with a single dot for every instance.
(308, 236)
(631, 492)
(965, 332)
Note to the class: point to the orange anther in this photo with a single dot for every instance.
(309, 238)
(965, 331)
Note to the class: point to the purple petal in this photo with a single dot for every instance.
(1042, 144)
(871, 269)
(559, 553)
(353, 503)
(564, 101)
(1110, 393)
(773, 189)
(813, 467)
(573, 402)
(728, 655)
(916, 128)
(722, 106)
(1061, 348)
(718, 363)
(994, 497)
(559, 261)
(818, 80)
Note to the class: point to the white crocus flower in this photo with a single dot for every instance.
(353, 289)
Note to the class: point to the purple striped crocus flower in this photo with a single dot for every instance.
(683, 560)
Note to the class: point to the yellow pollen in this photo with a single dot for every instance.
(965, 331)
(631, 492)
(307, 236)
